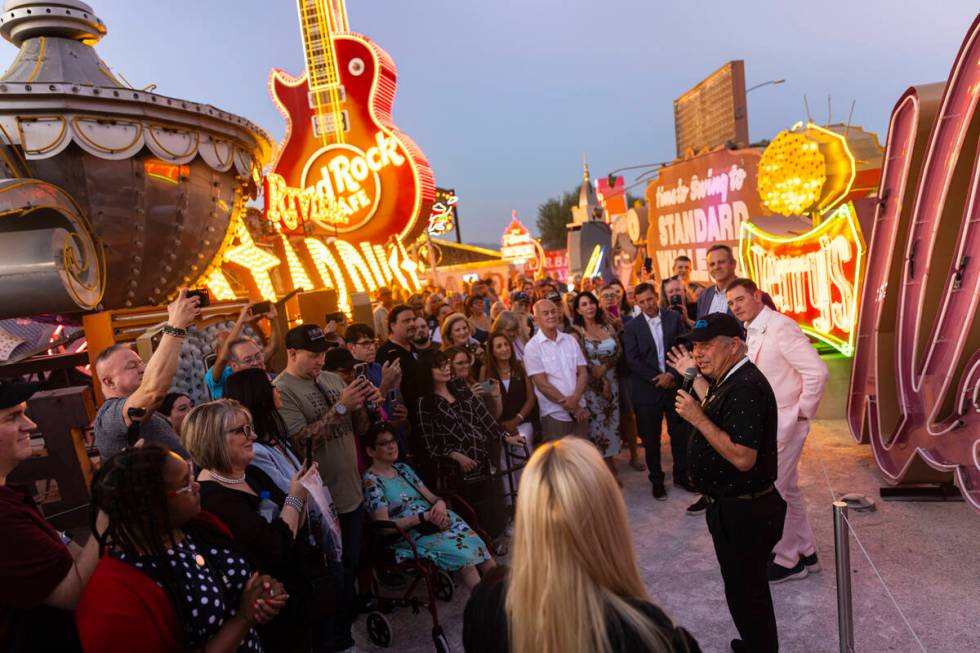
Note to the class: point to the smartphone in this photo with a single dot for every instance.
(260, 308)
(360, 370)
(203, 296)
(487, 386)
(337, 316)
(309, 452)
(648, 264)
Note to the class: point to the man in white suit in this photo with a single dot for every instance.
(778, 347)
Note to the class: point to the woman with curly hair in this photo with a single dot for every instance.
(172, 578)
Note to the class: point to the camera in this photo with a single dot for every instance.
(676, 300)
(260, 308)
(203, 296)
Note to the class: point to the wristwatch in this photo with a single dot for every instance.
(176, 332)
(340, 408)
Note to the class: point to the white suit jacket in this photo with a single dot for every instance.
(781, 350)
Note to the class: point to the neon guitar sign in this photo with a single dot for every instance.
(344, 167)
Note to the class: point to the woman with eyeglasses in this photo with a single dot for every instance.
(462, 439)
(272, 452)
(271, 525)
(172, 578)
(487, 390)
(393, 491)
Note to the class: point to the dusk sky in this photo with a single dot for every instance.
(505, 97)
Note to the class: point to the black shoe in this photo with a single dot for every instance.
(780, 574)
(659, 492)
(738, 646)
(811, 563)
(698, 507)
(686, 486)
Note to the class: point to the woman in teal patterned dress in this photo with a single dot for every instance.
(392, 491)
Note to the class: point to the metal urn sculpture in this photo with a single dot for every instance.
(114, 196)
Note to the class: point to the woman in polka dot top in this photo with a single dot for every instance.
(171, 579)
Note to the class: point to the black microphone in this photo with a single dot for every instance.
(690, 374)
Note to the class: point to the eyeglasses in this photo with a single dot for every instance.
(384, 443)
(253, 361)
(190, 483)
(245, 429)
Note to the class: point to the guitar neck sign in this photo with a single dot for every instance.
(340, 186)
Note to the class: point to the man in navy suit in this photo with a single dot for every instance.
(721, 268)
(647, 339)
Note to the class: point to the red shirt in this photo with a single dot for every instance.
(33, 561)
(122, 605)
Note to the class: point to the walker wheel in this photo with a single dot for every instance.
(444, 586)
(379, 629)
(440, 642)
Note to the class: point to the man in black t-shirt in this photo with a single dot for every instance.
(401, 330)
(731, 459)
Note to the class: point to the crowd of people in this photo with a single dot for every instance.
(239, 524)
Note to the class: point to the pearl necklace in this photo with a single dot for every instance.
(228, 481)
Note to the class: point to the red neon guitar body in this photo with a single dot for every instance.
(398, 196)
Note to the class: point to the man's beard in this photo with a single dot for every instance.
(424, 340)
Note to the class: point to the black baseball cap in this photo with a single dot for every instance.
(307, 336)
(554, 296)
(339, 358)
(712, 326)
(520, 296)
(14, 393)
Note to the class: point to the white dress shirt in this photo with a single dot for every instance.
(657, 331)
(719, 303)
(559, 359)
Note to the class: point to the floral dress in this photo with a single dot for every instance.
(454, 548)
(604, 420)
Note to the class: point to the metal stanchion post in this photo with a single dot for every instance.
(842, 551)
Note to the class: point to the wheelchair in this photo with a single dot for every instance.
(439, 584)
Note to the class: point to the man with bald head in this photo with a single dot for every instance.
(134, 391)
(555, 363)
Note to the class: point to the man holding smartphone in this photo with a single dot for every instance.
(239, 353)
(318, 405)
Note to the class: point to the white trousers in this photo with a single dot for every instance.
(797, 537)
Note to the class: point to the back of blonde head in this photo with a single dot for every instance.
(574, 564)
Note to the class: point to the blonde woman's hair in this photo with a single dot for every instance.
(508, 319)
(203, 432)
(447, 326)
(574, 566)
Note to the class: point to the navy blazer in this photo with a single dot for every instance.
(642, 359)
(704, 301)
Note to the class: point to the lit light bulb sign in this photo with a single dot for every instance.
(516, 245)
(442, 220)
(814, 278)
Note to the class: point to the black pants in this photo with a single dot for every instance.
(649, 422)
(744, 532)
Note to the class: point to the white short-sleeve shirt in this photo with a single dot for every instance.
(559, 359)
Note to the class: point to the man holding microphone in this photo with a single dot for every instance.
(731, 459)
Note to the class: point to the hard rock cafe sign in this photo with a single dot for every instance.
(915, 384)
(348, 190)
